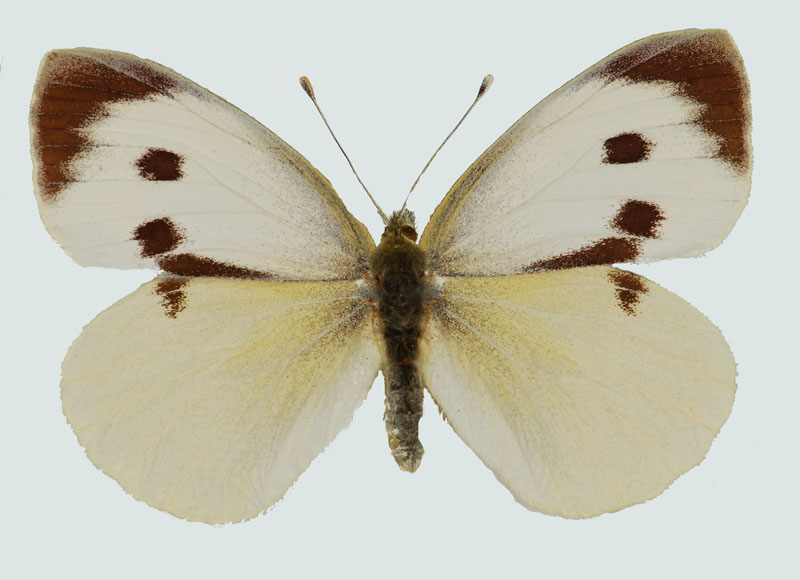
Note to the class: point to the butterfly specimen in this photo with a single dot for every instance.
(585, 388)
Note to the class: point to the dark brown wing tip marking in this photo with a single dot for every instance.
(72, 90)
(706, 66)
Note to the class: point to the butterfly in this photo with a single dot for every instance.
(585, 388)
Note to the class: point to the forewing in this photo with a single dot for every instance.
(644, 156)
(208, 397)
(584, 390)
(136, 166)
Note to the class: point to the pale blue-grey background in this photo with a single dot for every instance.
(393, 78)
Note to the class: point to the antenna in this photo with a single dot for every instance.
(306, 84)
(485, 84)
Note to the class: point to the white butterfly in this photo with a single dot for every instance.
(585, 388)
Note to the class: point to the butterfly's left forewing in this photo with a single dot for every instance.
(136, 166)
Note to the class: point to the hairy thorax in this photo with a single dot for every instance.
(398, 271)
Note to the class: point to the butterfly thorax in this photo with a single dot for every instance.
(398, 268)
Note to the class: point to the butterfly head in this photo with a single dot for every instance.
(401, 226)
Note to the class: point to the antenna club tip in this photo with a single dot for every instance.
(485, 84)
(306, 84)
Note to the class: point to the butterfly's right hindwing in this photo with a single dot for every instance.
(208, 397)
(584, 390)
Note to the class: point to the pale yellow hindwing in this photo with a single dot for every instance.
(584, 390)
(208, 397)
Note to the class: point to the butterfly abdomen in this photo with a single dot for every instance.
(398, 266)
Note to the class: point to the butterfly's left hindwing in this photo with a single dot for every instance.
(585, 390)
(644, 156)
(136, 166)
(208, 397)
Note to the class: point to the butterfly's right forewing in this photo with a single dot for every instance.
(644, 156)
(585, 390)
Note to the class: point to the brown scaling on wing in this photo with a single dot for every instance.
(158, 236)
(160, 165)
(194, 265)
(638, 218)
(173, 295)
(706, 67)
(610, 250)
(73, 91)
(629, 289)
(626, 148)
(635, 219)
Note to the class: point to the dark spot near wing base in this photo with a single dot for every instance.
(605, 251)
(193, 265)
(160, 165)
(638, 218)
(173, 295)
(157, 237)
(630, 289)
(626, 148)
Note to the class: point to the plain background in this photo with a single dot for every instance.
(393, 79)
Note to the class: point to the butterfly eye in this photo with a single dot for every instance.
(409, 232)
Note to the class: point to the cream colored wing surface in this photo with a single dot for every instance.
(136, 166)
(584, 390)
(644, 156)
(207, 398)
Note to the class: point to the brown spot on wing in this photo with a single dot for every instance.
(706, 67)
(193, 265)
(157, 237)
(626, 148)
(160, 165)
(173, 296)
(638, 218)
(605, 251)
(72, 91)
(630, 289)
